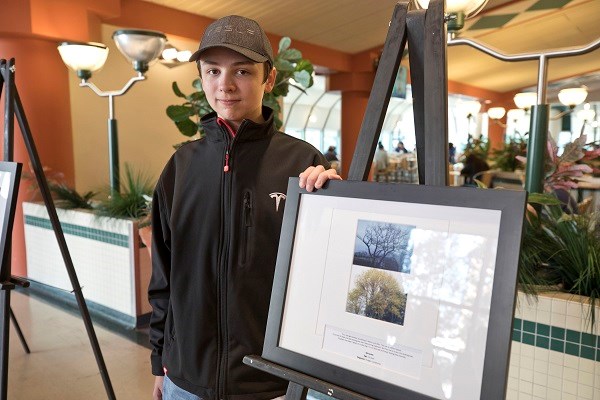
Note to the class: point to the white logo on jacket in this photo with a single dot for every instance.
(278, 197)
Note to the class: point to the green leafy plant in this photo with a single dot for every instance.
(561, 251)
(64, 196)
(133, 199)
(505, 158)
(289, 64)
(477, 146)
(561, 172)
(67, 197)
(592, 158)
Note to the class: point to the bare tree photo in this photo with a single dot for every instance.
(383, 245)
(376, 294)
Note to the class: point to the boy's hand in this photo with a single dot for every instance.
(315, 177)
(158, 387)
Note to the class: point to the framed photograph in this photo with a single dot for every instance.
(397, 291)
(10, 174)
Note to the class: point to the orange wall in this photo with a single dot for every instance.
(47, 109)
(145, 15)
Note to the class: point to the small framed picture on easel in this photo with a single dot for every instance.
(10, 173)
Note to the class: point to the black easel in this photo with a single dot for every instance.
(13, 107)
(426, 33)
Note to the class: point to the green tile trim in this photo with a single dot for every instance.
(529, 339)
(573, 336)
(81, 231)
(588, 339)
(529, 326)
(492, 21)
(517, 323)
(557, 345)
(557, 333)
(568, 341)
(543, 342)
(572, 349)
(588, 352)
(543, 329)
(548, 5)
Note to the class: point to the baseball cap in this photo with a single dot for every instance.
(240, 34)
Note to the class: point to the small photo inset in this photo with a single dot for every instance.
(378, 294)
(383, 245)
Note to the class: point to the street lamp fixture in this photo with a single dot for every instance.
(525, 100)
(140, 47)
(457, 11)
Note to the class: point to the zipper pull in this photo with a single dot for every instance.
(226, 166)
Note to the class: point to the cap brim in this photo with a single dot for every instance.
(252, 55)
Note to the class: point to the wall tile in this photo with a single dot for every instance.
(569, 387)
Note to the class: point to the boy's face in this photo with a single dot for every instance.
(234, 85)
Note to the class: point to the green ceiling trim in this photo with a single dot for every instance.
(548, 5)
(492, 21)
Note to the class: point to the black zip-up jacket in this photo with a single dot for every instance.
(215, 239)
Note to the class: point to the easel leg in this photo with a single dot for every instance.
(19, 331)
(4, 325)
(381, 92)
(436, 102)
(295, 391)
(13, 100)
(415, 23)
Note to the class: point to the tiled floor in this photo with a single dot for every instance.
(61, 364)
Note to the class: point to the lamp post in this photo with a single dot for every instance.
(586, 116)
(138, 46)
(470, 108)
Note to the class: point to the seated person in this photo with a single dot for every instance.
(400, 148)
(331, 154)
(381, 158)
(473, 165)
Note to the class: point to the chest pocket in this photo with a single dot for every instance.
(246, 226)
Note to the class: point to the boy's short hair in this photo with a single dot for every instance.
(240, 34)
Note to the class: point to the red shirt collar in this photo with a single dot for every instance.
(224, 123)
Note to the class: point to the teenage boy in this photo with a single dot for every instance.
(217, 214)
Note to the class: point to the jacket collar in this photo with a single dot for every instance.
(248, 130)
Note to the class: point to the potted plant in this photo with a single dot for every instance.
(505, 159)
(289, 64)
(104, 243)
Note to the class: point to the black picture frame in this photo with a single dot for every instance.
(10, 174)
(497, 337)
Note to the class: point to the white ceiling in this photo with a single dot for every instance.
(353, 26)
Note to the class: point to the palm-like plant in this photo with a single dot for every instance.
(561, 251)
(132, 200)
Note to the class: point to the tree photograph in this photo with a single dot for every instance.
(377, 294)
(383, 245)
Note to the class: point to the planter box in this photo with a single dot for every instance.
(554, 353)
(113, 270)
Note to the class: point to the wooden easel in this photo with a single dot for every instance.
(14, 107)
(426, 33)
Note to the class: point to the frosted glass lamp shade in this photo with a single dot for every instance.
(525, 100)
(496, 112)
(84, 58)
(587, 114)
(140, 46)
(573, 96)
(470, 8)
(515, 114)
(169, 53)
(469, 107)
